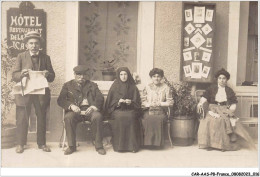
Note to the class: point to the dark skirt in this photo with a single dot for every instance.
(153, 129)
(125, 130)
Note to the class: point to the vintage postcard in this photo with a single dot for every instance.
(196, 70)
(197, 40)
(209, 15)
(187, 56)
(186, 42)
(187, 70)
(209, 42)
(199, 14)
(205, 71)
(111, 40)
(189, 28)
(196, 56)
(188, 15)
(206, 29)
(205, 49)
(188, 49)
(206, 56)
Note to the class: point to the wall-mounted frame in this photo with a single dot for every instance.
(197, 49)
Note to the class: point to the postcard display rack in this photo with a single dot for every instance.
(197, 42)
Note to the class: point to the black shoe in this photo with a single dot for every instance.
(44, 148)
(69, 150)
(101, 151)
(19, 149)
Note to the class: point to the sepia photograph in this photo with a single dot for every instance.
(196, 56)
(188, 15)
(205, 71)
(199, 14)
(209, 15)
(186, 42)
(206, 56)
(206, 29)
(196, 69)
(187, 70)
(187, 56)
(129, 88)
(189, 28)
(197, 40)
(209, 42)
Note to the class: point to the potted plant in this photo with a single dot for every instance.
(8, 128)
(182, 126)
(108, 70)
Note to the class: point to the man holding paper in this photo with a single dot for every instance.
(30, 63)
(82, 101)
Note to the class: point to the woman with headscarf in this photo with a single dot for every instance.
(123, 104)
(219, 128)
(156, 98)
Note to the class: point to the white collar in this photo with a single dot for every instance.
(31, 54)
(220, 87)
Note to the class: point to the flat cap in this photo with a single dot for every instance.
(80, 69)
(32, 34)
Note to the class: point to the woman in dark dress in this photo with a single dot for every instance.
(219, 128)
(123, 104)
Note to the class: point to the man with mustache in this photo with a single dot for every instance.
(32, 60)
(82, 101)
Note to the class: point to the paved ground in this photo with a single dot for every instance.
(86, 156)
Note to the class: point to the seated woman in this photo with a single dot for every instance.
(123, 104)
(156, 98)
(219, 127)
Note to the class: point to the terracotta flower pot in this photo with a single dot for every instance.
(182, 130)
(8, 136)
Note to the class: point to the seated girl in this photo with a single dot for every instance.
(156, 98)
(219, 127)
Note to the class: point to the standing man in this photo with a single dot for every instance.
(82, 100)
(32, 59)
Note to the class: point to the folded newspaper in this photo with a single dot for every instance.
(35, 84)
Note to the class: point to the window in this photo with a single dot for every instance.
(247, 67)
(108, 33)
(145, 41)
(252, 44)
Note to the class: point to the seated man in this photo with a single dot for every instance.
(82, 100)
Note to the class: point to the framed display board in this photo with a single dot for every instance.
(197, 55)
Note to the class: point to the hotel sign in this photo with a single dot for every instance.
(19, 22)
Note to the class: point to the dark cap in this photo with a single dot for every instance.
(222, 72)
(80, 69)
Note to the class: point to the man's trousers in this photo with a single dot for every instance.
(40, 103)
(71, 120)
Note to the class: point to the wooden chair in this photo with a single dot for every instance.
(169, 125)
(198, 94)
